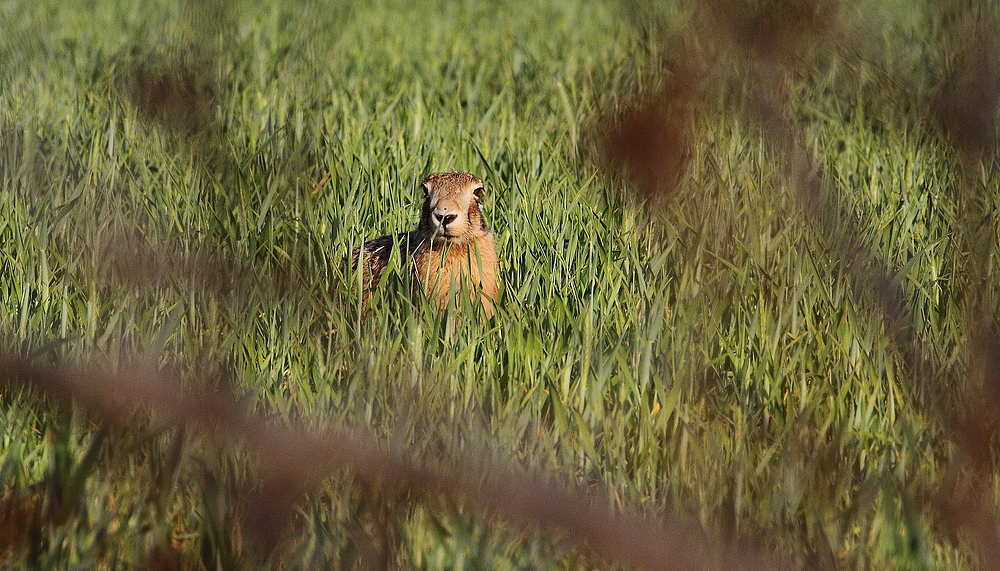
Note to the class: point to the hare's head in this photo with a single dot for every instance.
(451, 207)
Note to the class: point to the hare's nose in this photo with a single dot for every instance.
(443, 218)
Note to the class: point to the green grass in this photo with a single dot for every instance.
(709, 358)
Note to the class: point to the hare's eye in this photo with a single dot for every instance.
(478, 191)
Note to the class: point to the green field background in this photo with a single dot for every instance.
(701, 355)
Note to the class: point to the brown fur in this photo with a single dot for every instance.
(443, 256)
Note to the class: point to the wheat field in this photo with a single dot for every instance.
(180, 182)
